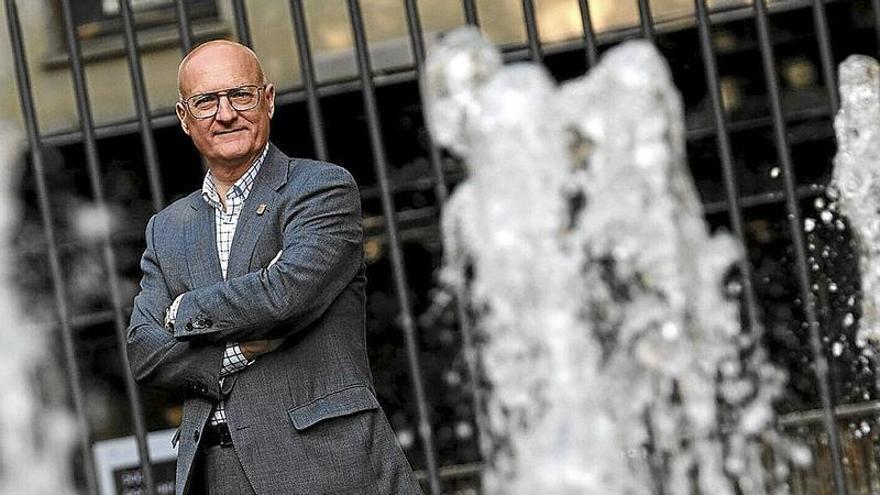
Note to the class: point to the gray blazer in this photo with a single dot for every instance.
(304, 419)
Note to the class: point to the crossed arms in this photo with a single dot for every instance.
(321, 253)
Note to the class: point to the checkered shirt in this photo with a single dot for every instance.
(225, 223)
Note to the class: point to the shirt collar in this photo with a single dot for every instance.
(240, 189)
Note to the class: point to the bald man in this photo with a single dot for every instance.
(251, 307)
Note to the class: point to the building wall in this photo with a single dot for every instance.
(273, 38)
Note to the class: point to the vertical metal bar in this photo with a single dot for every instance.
(532, 34)
(468, 345)
(418, 49)
(26, 99)
(239, 12)
(724, 152)
(783, 151)
(590, 45)
(307, 68)
(142, 106)
(184, 29)
(470, 13)
(875, 6)
(646, 20)
(107, 252)
(820, 18)
(399, 275)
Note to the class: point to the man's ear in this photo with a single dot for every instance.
(270, 98)
(181, 116)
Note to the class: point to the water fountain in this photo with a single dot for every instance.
(37, 435)
(856, 179)
(609, 345)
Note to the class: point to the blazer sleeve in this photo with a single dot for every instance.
(155, 357)
(322, 252)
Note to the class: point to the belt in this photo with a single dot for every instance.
(217, 435)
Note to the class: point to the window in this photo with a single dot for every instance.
(96, 18)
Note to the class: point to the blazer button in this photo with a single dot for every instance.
(196, 436)
(208, 323)
(189, 327)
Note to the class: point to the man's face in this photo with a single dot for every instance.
(231, 137)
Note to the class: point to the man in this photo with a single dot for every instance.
(251, 306)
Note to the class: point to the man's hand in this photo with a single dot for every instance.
(256, 348)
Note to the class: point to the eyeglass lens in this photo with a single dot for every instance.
(241, 99)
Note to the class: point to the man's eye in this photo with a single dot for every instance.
(204, 101)
(241, 95)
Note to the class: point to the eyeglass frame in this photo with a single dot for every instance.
(220, 94)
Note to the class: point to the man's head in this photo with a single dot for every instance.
(229, 137)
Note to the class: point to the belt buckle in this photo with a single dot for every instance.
(225, 436)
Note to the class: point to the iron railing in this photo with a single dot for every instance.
(312, 91)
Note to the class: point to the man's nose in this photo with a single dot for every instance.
(225, 112)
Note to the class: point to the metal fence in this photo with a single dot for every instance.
(311, 93)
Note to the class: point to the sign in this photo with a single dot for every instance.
(118, 466)
(111, 7)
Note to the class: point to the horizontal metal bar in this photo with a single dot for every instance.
(737, 126)
(845, 411)
(764, 199)
(453, 471)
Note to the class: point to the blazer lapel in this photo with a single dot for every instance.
(201, 252)
(257, 209)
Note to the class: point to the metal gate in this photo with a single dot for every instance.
(720, 128)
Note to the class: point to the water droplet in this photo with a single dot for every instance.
(832, 287)
(406, 438)
(837, 349)
(809, 224)
(774, 172)
(463, 429)
(826, 216)
(848, 320)
(734, 288)
(670, 331)
(819, 203)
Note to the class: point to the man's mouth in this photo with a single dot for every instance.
(229, 131)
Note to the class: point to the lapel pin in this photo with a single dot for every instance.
(261, 209)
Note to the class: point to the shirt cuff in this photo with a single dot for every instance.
(171, 312)
(233, 360)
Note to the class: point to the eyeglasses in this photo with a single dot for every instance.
(206, 105)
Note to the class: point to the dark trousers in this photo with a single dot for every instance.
(218, 472)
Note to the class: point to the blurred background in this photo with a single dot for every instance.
(107, 173)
